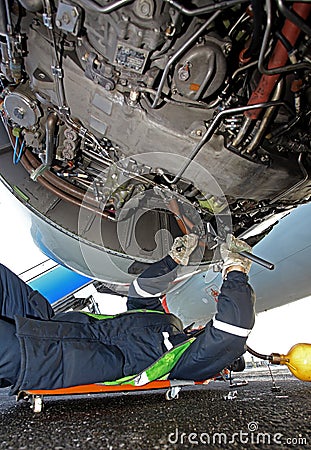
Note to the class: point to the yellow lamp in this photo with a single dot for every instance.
(298, 360)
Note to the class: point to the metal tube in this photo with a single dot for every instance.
(56, 67)
(8, 18)
(179, 52)
(60, 184)
(257, 260)
(296, 185)
(112, 6)
(204, 9)
(206, 78)
(209, 132)
(264, 123)
(47, 179)
(50, 127)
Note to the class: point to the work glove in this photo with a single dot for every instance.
(183, 247)
(229, 253)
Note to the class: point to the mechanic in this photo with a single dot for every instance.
(43, 350)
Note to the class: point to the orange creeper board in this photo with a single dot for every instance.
(173, 387)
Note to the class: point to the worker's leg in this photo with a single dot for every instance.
(145, 291)
(9, 354)
(56, 354)
(17, 298)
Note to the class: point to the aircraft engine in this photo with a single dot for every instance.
(137, 120)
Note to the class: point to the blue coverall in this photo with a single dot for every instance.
(43, 350)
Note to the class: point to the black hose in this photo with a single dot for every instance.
(258, 355)
(258, 14)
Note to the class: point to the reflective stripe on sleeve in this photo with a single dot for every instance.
(143, 293)
(232, 329)
(167, 342)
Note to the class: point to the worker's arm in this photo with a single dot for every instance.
(223, 339)
(145, 291)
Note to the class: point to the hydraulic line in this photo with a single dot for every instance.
(265, 121)
(60, 192)
(213, 126)
(296, 185)
(112, 6)
(60, 184)
(50, 127)
(204, 9)
(59, 187)
(277, 70)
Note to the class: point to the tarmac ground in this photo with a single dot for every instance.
(203, 417)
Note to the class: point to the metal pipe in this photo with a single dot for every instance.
(14, 70)
(91, 5)
(296, 185)
(136, 176)
(209, 132)
(205, 9)
(245, 16)
(256, 259)
(8, 18)
(266, 118)
(68, 188)
(179, 52)
(14, 67)
(206, 78)
(60, 192)
(59, 187)
(84, 133)
(50, 127)
(55, 66)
